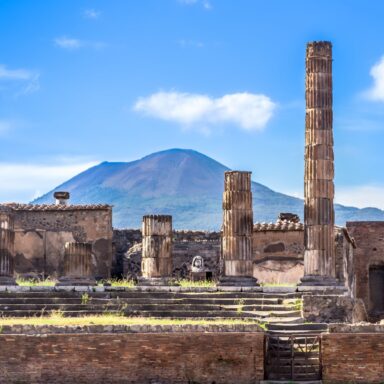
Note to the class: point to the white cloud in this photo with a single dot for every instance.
(91, 14)
(68, 43)
(376, 93)
(14, 74)
(190, 43)
(205, 3)
(22, 182)
(361, 196)
(27, 80)
(72, 44)
(249, 111)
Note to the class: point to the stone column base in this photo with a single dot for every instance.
(7, 280)
(317, 280)
(75, 281)
(237, 281)
(156, 281)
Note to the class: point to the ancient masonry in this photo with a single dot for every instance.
(156, 264)
(78, 268)
(237, 257)
(7, 239)
(319, 261)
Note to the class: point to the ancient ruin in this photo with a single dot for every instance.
(7, 241)
(319, 257)
(156, 264)
(237, 230)
(78, 267)
(318, 313)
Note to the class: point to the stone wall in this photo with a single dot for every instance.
(278, 255)
(344, 254)
(369, 252)
(186, 245)
(333, 309)
(133, 358)
(124, 240)
(352, 357)
(42, 231)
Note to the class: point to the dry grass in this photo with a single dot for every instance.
(119, 283)
(199, 284)
(57, 319)
(36, 283)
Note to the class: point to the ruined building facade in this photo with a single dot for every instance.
(70, 242)
(41, 232)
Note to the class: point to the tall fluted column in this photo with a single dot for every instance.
(156, 264)
(77, 267)
(319, 260)
(237, 258)
(7, 240)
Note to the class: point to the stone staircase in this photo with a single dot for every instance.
(292, 346)
(264, 307)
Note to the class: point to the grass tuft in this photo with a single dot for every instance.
(36, 283)
(119, 283)
(201, 284)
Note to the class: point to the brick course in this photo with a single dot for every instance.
(132, 358)
(355, 358)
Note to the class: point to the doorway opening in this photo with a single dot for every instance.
(376, 288)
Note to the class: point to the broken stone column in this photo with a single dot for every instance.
(156, 264)
(7, 240)
(77, 267)
(319, 258)
(237, 258)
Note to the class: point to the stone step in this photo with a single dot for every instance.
(31, 313)
(290, 382)
(145, 300)
(51, 307)
(308, 327)
(262, 310)
(300, 379)
(139, 294)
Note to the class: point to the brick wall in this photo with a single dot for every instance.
(357, 358)
(132, 358)
(369, 238)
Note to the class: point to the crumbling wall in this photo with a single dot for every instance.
(278, 255)
(42, 231)
(333, 309)
(369, 240)
(186, 245)
(278, 252)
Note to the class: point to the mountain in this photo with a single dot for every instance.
(181, 182)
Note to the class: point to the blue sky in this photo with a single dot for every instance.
(84, 81)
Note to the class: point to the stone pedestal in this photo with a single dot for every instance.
(156, 264)
(78, 268)
(7, 239)
(319, 255)
(237, 258)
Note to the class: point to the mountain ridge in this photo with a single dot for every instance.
(184, 183)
